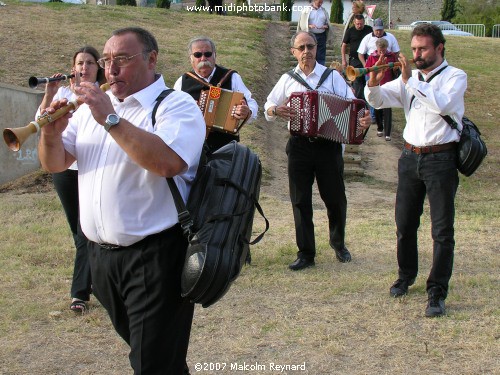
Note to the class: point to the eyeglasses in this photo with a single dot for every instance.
(199, 54)
(302, 47)
(120, 61)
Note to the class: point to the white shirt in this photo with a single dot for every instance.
(318, 17)
(236, 85)
(368, 46)
(443, 95)
(63, 92)
(121, 202)
(286, 85)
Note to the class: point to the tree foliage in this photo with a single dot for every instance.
(286, 10)
(486, 12)
(449, 10)
(126, 2)
(163, 4)
(337, 12)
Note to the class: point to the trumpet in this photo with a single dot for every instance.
(15, 137)
(353, 73)
(33, 82)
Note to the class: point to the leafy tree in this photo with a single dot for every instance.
(486, 12)
(286, 10)
(337, 12)
(126, 2)
(163, 4)
(449, 10)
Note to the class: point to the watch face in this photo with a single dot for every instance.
(113, 119)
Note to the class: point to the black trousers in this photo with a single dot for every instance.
(384, 120)
(435, 176)
(66, 185)
(140, 287)
(322, 160)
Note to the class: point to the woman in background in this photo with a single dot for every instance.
(66, 183)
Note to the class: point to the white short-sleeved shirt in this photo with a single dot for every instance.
(121, 202)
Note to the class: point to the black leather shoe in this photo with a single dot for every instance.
(301, 263)
(343, 255)
(400, 287)
(435, 304)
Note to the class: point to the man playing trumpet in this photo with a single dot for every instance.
(427, 166)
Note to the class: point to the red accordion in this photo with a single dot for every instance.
(326, 115)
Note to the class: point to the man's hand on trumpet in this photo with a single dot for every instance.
(405, 68)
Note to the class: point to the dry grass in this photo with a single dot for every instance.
(337, 318)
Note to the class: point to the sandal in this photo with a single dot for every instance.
(78, 306)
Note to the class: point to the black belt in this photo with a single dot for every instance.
(430, 149)
(109, 246)
(311, 139)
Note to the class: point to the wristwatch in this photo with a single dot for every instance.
(112, 120)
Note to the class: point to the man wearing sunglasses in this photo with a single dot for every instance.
(315, 18)
(310, 158)
(202, 55)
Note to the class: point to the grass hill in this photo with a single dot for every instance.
(336, 318)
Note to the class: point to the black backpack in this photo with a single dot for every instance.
(218, 219)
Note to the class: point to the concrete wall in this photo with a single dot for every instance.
(18, 106)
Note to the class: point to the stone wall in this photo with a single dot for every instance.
(404, 12)
(18, 106)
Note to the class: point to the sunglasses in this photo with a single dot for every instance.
(302, 47)
(206, 54)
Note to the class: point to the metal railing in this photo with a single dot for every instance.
(474, 29)
(496, 31)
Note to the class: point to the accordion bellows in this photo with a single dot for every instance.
(218, 107)
(328, 116)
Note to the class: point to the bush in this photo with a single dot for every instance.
(126, 2)
(163, 4)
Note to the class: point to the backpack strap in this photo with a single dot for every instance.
(228, 74)
(300, 80)
(421, 78)
(183, 214)
(323, 77)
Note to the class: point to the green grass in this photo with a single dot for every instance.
(338, 318)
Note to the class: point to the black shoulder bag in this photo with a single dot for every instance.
(471, 149)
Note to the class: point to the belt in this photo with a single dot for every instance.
(430, 149)
(108, 246)
(310, 139)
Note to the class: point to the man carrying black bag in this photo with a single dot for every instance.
(428, 163)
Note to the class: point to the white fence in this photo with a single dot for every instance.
(496, 31)
(474, 29)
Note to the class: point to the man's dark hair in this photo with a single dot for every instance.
(359, 17)
(427, 29)
(145, 37)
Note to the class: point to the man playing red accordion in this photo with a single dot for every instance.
(310, 158)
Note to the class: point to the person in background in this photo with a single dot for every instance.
(202, 55)
(315, 19)
(427, 166)
(358, 8)
(312, 158)
(383, 116)
(66, 182)
(367, 45)
(351, 41)
(136, 245)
